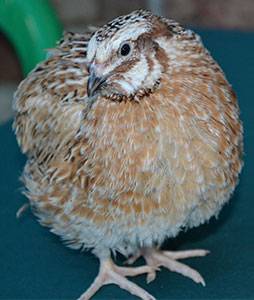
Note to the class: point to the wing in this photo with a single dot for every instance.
(49, 103)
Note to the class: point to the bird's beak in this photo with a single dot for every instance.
(94, 83)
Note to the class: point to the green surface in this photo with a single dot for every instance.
(35, 265)
(31, 26)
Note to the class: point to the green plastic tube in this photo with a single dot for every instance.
(31, 26)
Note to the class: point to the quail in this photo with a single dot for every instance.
(132, 134)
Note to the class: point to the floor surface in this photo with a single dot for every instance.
(35, 265)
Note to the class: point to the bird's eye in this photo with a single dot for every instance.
(125, 49)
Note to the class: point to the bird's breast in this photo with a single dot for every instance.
(147, 157)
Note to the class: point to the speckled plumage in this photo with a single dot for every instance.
(156, 150)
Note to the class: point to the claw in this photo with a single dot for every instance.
(168, 259)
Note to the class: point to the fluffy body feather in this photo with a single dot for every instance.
(158, 150)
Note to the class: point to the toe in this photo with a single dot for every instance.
(125, 271)
(111, 274)
(186, 253)
(180, 268)
(150, 277)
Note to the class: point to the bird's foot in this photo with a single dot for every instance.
(112, 274)
(168, 259)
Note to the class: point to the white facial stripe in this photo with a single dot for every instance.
(126, 86)
(171, 49)
(101, 70)
(154, 73)
(91, 49)
(136, 75)
(130, 33)
(104, 49)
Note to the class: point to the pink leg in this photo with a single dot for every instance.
(157, 258)
(111, 274)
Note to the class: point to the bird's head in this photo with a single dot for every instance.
(123, 56)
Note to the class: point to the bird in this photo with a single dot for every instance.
(132, 134)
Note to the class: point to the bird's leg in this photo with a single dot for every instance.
(157, 258)
(110, 273)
